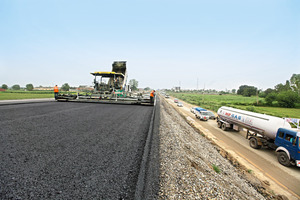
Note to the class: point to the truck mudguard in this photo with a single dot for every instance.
(285, 150)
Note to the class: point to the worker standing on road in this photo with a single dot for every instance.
(152, 94)
(55, 91)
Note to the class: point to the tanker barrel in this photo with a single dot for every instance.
(260, 123)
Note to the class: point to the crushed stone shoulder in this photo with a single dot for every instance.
(186, 164)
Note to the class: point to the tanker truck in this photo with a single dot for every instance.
(264, 131)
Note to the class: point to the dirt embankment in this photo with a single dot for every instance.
(194, 168)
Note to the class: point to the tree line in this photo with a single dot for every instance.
(30, 87)
(283, 95)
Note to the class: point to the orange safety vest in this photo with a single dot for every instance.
(55, 89)
(152, 94)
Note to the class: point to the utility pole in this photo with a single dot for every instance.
(257, 97)
(203, 93)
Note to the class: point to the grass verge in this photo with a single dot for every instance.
(24, 95)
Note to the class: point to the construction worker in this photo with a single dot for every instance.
(152, 94)
(56, 91)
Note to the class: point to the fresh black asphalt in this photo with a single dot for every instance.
(64, 150)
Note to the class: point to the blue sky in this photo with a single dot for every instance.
(222, 43)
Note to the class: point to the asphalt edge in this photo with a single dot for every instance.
(148, 178)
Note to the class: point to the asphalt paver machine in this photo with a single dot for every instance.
(109, 87)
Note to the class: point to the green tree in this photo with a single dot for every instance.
(247, 90)
(133, 84)
(233, 91)
(16, 87)
(4, 86)
(270, 98)
(29, 87)
(287, 99)
(268, 91)
(295, 83)
(147, 89)
(264, 94)
(283, 87)
(65, 87)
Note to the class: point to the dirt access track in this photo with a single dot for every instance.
(261, 163)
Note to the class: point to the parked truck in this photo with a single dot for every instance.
(264, 131)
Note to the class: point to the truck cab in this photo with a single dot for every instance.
(288, 146)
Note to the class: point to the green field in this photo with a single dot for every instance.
(214, 102)
(10, 95)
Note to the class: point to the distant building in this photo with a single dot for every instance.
(84, 88)
(176, 89)
(2, 90)
(43, 88)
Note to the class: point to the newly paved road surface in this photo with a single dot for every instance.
(64, 150)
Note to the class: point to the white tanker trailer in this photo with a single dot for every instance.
(264, 131)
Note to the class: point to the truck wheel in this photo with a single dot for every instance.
(283, 158)
(253, 143)
(219, 124)
(223, 126)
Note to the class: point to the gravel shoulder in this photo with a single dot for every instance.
(189, 161)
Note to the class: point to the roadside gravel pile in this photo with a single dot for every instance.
(189, 164)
